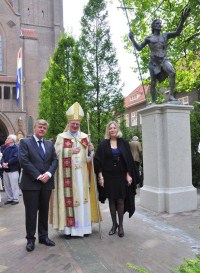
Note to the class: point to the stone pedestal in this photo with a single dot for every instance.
(167, 159)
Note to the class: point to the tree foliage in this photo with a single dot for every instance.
(183, 50)
(100, 68)
(64, 84)
(85, 71)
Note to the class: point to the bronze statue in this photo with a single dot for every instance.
(159, 65)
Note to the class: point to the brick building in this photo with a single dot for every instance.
(35, 27)
(136, 100)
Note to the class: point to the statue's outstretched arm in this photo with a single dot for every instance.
(184, 16)
(135, 44)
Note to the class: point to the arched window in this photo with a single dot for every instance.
(30, 126)
(1, 54)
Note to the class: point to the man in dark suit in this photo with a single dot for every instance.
(38, 160)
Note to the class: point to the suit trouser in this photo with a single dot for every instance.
(36, 203)
(11, 185)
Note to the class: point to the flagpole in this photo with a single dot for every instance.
(95, 182)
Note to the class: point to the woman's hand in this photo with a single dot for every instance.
(129, 179)
(101, 180)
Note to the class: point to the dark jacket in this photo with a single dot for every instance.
(103, 162)
(10, 156)
(33, 164)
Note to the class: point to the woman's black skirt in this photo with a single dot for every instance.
(115, 184)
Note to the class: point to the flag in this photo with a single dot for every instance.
(19, 75)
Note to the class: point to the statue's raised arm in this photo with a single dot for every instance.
(185, 14)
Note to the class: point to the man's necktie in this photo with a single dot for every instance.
(41, 149)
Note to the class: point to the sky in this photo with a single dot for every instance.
(73, 11)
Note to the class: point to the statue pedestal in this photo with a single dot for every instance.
(167, 159)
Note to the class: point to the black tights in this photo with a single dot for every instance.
(117, 205)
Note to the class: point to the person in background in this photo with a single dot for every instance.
(10, 165)
(136, 150)
(38, 160)
(116, 174)
(74, 200)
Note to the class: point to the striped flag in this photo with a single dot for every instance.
(19, 75)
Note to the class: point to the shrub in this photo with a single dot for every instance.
(191, 266)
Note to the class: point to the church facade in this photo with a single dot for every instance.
(34, 26)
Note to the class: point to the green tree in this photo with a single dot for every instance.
(183, 50)
(129, 132)
(195, 139)
(64, 84)
(104, 94)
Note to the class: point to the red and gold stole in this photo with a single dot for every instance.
(67, 181)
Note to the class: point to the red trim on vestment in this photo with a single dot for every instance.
(67, 143)
(70, 221)
(67, 162)
(84, 141)
(69, 202)
(67, 182)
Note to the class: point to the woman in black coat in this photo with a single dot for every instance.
(117, 176)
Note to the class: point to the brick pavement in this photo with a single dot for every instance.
(157, 242)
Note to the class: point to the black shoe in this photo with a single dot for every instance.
(8, 202)
(30, 246)
(120, 231)
(46, 241)
(15, 203)
(113, 229)
(68, 237)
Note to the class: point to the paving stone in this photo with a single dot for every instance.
(157, 242)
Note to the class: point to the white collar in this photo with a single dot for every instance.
(37, 139)
(75, 135)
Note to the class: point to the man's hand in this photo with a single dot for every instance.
(5, 165)
(44, 177)
(76, 150)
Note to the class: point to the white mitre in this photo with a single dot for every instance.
(75, 112)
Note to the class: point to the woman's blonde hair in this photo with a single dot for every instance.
(119, 133)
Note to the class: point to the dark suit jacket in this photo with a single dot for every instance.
(33, 164)
(10, 156)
